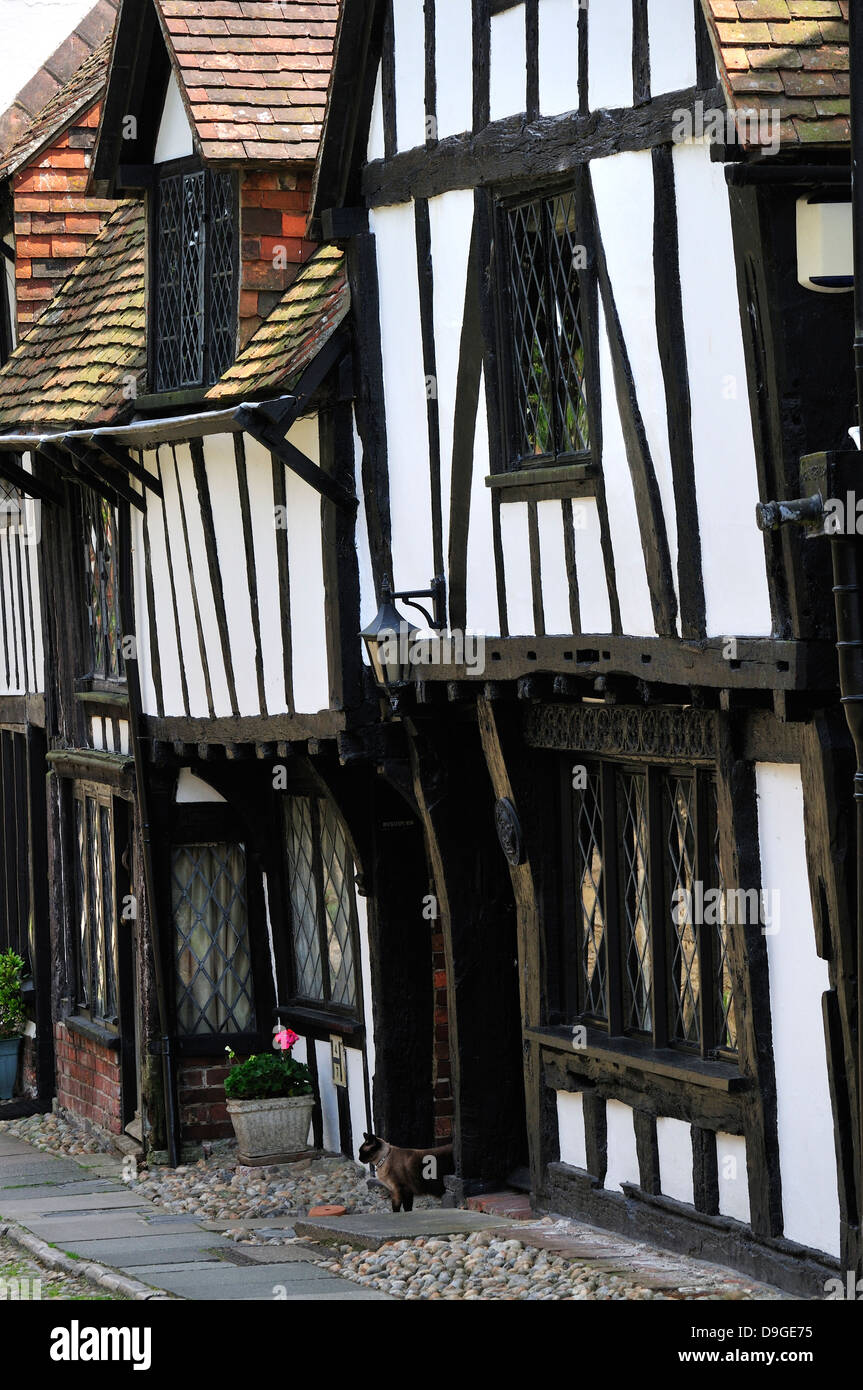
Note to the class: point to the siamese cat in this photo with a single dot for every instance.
(407, 1173)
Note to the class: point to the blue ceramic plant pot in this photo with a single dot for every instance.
(8, 1066)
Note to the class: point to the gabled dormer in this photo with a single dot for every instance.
(213, 120)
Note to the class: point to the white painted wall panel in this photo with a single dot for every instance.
(174, 140)
(233, 573)
(405, 393)
(11, 651)
(227, 524)
(329, 1099)
(671, 36)
(609, 54)
(259, 473)
(453, 67)
(191, 655)
(570, 1128)
(142, 617)
(482, 609)
(368, 602)
(552, 557)
(590, 567)
(674, 1141)
(123, 727)
(356, 1096)
(732, 549)
(798, 979)
(636, 613)
(516, 568)
(409, 34)
(300, 1052)
(169, 656)
(733, 1176)
(558, 56)
(308, 607)
(97, 732)
(623, 189)
(508, 64)
(194, 789)
(450, 221)
(376, 147)
(33, 532)
(622, 1152)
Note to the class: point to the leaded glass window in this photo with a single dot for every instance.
(103, 599)
(214, 992)
(320, 871)
(95, 904)
(545, 265)
(195, 276)
(645, 937)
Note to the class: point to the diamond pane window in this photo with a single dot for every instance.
(547, 357)
(211, 939)
(103, 600)
(679, 882)
(323, 904)
(726, 1018)
(632, 793)
(590, 896)
(95, 904)
(196, 279)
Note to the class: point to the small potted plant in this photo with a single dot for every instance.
(13, 1020)
(270, 1102)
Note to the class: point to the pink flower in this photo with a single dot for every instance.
(286, 1039)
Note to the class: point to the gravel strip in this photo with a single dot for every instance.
(44, 1280)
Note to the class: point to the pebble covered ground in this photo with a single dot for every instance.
(42, 1282)
(481, 1265)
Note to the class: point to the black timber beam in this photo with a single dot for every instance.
(25, 482)
(267, 434)
(104, 476)
(124, 460)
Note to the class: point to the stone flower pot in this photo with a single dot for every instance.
(271, 1131)
(9, 1048)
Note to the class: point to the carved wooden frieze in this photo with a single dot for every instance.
(688, 734)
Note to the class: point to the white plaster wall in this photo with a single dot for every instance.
(300, 1052)
(508, 64)
(623, 189)
(733, 1176)
(671, 36)
(552, 558)
(329, 1098)
(305, 554)
(142, 619)
(227, 524)
(609, 54)
(674, 1141)
(798, 979)
(409, 35)
(622, 1152)
(191, 655)
(732, 549)
(558, 56)
(30, 31)
(593, 598)
(232, 565)
(356, 1096)
(516, 567)
(453, 67)
(482, 609)
(123, 728)
(636, 613)
(33, 524)
(375, 148)
(259, 474)
(194, 789)
(97, 732)
(570, 1128)
(174, 140)
(368, 603)
(405, 394)
(169, 658)
(450, 222)
(13, 616)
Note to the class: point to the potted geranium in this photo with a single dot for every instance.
(13, 1020)
(270, 1102)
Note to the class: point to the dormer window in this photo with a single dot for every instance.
(194, 320)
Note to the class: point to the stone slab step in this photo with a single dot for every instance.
(369, 1231)
(513, 1204)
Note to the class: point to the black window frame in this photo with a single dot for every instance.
(99, 653)
(515, 458)
(213, 363)
(569, 997)
(84, 1004)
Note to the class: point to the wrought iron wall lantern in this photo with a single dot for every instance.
(390, 637)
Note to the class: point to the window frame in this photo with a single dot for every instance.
(190, 164)
(82, 790)
(91, 517)
(514, 461)
(569, 997)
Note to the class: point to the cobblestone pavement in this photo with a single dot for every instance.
(23, 1278)
(543, 1259)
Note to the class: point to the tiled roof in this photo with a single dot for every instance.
(788, 57)
(79, 93)
(296, 330)
(76, 364)
(56, 72)
(254, 73)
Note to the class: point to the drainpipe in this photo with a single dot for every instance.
(133, 685)
(835, 475)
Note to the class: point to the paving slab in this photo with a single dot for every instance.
(68, 1203)
(100, 1227)
(281, 1254)
(10, 1145)
(281, 1224)
(130, 1251)
(272, 1282)
(36, 1168)
(34, 1191)
(371, 1230)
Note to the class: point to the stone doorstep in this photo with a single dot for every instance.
(369, 1231)
(515, 1205)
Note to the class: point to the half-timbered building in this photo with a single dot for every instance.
(587, 345)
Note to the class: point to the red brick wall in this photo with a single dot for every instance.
(88, 1079)
(203, 1114)
(443, 1102)
(274, 207)
(55, 220)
